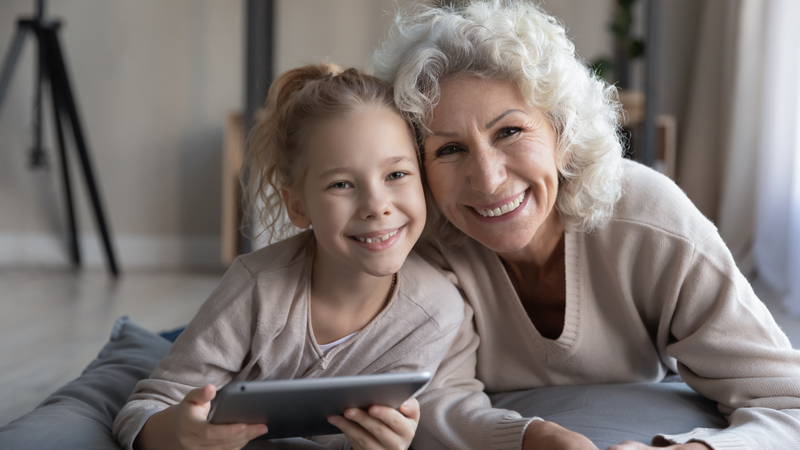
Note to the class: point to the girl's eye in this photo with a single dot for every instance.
(395, 176)
(508, 132)
(340, 185)
(448, 149)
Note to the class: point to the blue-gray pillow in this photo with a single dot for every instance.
(609, 414)
(80, 414)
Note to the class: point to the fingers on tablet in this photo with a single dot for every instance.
(410, 409)
(201, 396)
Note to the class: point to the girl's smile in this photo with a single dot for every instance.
(378, 240)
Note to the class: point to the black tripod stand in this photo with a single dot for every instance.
(52, 70)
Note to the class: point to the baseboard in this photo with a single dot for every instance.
(133, 252)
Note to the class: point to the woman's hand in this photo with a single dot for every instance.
(542, 435)
(630, 445)
(381, 427)
(185, 426)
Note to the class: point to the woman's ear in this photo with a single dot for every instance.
(295, 208)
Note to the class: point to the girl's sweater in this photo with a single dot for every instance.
(256, 326)
(655, 289)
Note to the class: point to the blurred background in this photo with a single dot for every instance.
(164, 89)
(155, 82)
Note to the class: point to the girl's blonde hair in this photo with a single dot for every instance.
(514, 41)
(297, 100)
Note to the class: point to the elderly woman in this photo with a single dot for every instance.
(577, 266)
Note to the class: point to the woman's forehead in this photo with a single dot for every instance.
(478, 100)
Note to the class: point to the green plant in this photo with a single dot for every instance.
(626, 47)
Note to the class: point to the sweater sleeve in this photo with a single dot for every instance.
(211, 350)
(456, 413)
(729, 349)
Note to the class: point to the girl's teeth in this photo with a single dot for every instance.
(377, 239)
(505, 209)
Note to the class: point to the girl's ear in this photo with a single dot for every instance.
(295, 208)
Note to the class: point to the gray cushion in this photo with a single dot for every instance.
(81, 413)
(610, 414)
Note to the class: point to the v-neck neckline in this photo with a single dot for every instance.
(309, 269)
(564, 345)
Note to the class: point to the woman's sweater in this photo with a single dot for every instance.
(257, 326)
(655, 289)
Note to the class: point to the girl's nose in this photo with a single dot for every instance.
(375, 203)
(486, 169)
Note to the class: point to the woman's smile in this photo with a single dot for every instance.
(503, 210)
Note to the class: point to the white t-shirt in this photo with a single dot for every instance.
(328, 347)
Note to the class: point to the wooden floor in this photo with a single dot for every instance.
(53, 322)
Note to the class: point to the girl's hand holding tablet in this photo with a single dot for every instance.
(184, 426)
(381, 427)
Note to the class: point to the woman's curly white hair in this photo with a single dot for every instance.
(518, 42)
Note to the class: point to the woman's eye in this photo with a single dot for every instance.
(448, 150)
(396, 175)
(508, 132)
(340, 185)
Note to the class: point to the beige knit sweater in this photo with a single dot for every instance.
(655, 289)
(257, 326)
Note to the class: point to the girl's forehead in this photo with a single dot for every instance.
(366, 135)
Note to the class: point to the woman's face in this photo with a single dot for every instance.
(490, 163)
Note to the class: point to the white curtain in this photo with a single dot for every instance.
(739, 159)
(777, 230)
(718, 156)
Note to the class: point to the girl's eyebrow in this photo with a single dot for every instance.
(386, 162)
(397, 160)
(485, 127)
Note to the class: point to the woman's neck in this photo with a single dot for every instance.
(540, 249)
(344, 299)
(538, 274)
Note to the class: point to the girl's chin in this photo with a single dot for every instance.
(383, 270)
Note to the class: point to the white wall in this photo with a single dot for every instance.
(154, 81)
(345, 32)
(586, 24)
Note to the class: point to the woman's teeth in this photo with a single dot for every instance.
(377, 238)
(512, 205)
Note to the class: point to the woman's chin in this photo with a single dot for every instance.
(504, 243)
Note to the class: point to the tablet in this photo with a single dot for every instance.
(301, 407)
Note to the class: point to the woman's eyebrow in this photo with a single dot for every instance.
(496, 119)
(486, 127)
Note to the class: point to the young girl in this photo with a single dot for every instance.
(342, 298)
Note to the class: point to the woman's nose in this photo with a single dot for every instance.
(375, 203)
(486, 169)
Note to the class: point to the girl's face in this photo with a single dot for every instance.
(491, 163)
(362, 191)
